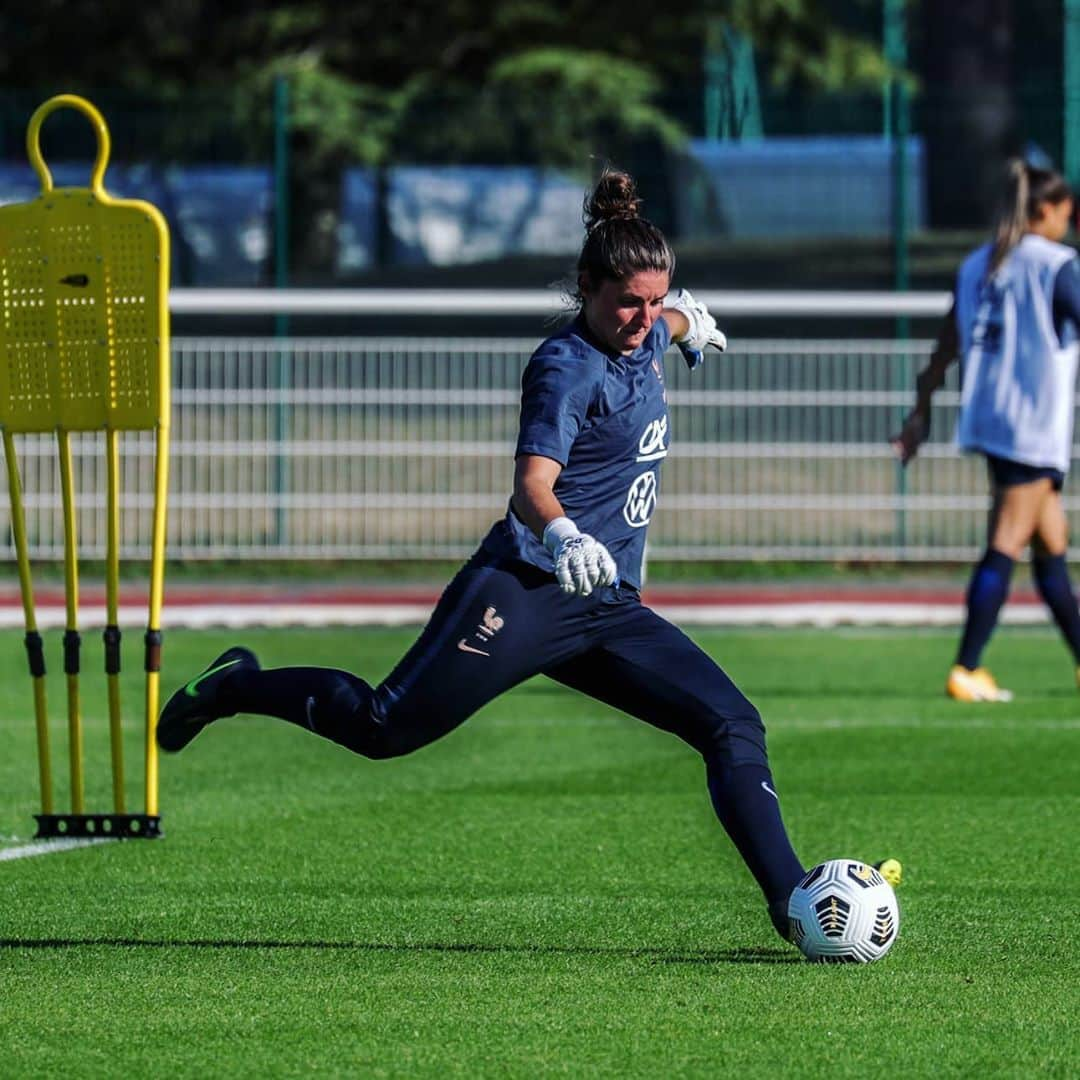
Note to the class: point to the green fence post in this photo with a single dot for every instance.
(1071, 65)
(897, 123)
(281, 281)
(714, 64)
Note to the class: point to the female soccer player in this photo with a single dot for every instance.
(1014, 322)
(554, 586)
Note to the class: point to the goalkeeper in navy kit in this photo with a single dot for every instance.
(554, 587)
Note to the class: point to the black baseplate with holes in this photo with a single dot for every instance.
(99, 826)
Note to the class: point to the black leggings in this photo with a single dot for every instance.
(499, 623)
(496, 625)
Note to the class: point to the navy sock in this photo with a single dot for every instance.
(328, 702)
(746, 803)
(1052, 580)
(986, 593)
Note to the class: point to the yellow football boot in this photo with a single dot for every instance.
(891, 871)
(977, 685)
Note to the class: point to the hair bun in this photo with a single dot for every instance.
(614, 198)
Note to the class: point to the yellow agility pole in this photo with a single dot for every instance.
(34, 649)
(71, 622)
(112, 617)
(157, 590)
(84, 346)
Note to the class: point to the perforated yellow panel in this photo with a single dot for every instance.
(84, 335)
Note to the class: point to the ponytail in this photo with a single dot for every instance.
(1012, 217)
(1026, 189)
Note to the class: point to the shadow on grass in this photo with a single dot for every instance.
(659, 956)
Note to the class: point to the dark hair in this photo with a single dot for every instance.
(618, 241)
(1026, 189)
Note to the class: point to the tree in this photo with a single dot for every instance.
(525, 81)
(378, 82)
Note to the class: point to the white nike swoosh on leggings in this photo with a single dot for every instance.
(309, 707)
(468, 648)
(765, 785)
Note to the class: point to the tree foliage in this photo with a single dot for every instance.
(803, 43)
(525, 80)
(545, 82)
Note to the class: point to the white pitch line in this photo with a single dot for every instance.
(238, 616)
(49, 847)
(1003, 720)
(822, 615)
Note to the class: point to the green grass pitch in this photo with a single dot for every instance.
(546, 891)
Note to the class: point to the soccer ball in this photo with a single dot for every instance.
(843, 911)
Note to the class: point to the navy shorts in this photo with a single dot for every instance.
(1006, 473)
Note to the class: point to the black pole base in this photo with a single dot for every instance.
(99, 826)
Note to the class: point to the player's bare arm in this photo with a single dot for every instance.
(582, 563)
(534, 496)
(678, 323)
(916, 425)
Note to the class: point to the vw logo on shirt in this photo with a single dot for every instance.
(641, 500)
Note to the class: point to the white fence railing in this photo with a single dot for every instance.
(723, 303)
(402, 448)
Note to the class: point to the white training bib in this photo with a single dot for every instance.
(1018, 379)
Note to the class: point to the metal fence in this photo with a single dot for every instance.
(402, 448)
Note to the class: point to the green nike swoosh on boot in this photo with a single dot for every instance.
(192, 688)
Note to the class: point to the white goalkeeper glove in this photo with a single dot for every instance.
(703, 329)
(581, 563)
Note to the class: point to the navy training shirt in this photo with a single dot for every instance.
(603, 416)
